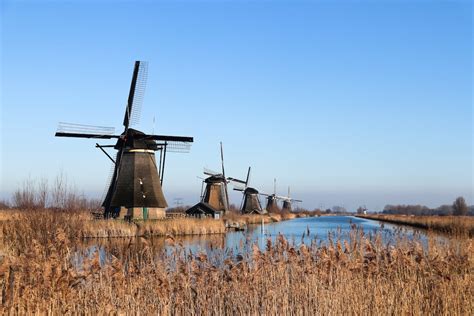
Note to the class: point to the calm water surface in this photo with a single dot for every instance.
(300, 230)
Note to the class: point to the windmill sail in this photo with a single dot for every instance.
(84, 131)
(136, 94)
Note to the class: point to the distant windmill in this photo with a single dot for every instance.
(135, 186)
(287, 201)
(215, 198)
(250, 200)
(215, 193)
(272, 199)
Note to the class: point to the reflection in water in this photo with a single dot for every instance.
(220, 246)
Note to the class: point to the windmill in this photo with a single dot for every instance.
(272, 200)
(250, 200)
(287, 202)
(135, 188)
(215, 193)
(215, 198)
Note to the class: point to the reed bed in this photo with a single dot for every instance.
(258, 219)
(251, 219)
(174, 227)
(84, 226)
(445, 224)
(40, 274)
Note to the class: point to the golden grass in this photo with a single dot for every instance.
(445, 224)
(39, 274)
(251, 218)
(175, 227)
(257, 219)
(86, 227)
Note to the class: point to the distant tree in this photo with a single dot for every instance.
(361, 209)
(460, 207)
(4, 204)
(445, 210)
(328, 211)
(338, 209)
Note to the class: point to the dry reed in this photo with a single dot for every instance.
(86, 227)
(40, 274)
(444, 224)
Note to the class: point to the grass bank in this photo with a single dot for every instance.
(257, 219)
(39, 274)
(85, 227)
(444, 224)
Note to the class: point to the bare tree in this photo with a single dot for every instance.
(24, 197)
(42, 193)
(4, 204)
(338, 209)
(60, 191)
(460, 207)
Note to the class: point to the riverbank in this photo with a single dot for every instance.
(445, 224)
(87, 227)
(81, 225)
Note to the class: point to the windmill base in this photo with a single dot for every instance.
(142, 213)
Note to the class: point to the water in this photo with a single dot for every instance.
(297, 231)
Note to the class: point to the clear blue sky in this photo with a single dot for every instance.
(348, 102)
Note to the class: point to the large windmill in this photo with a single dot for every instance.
(250, 200)
(135, 186)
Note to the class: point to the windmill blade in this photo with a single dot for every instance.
(175, 146)
(223, 174)
(236, 180)
(238, 185)
(295, 200)
(248, 178)
(167, 138)
(135, 96)
(222, 160)
(79, 135)
(84, 131)
(210, 172)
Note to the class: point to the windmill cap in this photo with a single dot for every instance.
(135, 139)
(251, 191)
(218, 178)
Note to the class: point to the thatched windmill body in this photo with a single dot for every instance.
(135, 188)
(250, 200)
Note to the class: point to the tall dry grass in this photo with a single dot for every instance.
(82, 224)
(40, 273)
(445, 224)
